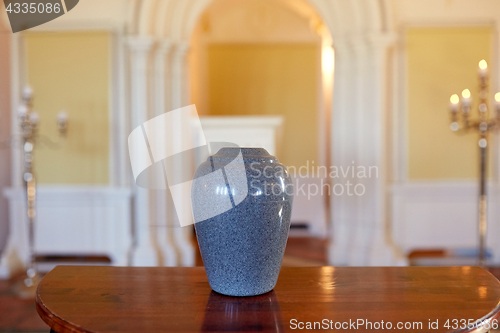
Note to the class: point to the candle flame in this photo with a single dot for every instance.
(466, 93)
(483, 64)
(454, 99)
(497, 97)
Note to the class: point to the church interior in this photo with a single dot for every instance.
(385, 112)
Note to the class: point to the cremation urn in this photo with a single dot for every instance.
(242, 201)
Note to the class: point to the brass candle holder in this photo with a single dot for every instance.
(461, 123)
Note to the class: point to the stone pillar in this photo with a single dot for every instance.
(180, 98)
(163, 228)
(343, 207)
(380, 251)
(359, 222)
(361, 156)
(145, 250)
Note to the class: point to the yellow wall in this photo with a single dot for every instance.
(270, 79)
(70, 71)
(441, 62)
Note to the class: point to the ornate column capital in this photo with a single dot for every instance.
(181, 48)
(382, 39)
(164, 46)
(139, 43)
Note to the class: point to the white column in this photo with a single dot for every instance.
(359, 222)
(163, 229)
(361, 106)
(343, 207)
(119, 119)
(380, 251)
(180, 98)
(144, 252)
(180, 76)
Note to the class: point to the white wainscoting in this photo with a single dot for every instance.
(442, 215)
(71, 220)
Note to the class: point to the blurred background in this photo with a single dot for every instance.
(353, 96)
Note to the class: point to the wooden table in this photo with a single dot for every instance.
(127, 299)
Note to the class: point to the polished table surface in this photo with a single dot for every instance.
(160, 299)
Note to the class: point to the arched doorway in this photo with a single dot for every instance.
(362, 37)
(261, 58)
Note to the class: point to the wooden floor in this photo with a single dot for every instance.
(18, 315)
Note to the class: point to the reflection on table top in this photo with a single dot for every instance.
(161, 299)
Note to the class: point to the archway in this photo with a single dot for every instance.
(362, 36)
(269, 61)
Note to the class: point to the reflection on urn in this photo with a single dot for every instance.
(230, 314)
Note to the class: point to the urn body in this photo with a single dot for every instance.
(242, 202)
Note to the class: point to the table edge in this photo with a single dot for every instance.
(55, 322)
(60, 325)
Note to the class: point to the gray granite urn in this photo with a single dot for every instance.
(242, 201)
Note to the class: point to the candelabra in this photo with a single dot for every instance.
(29, 138)
(483, 125)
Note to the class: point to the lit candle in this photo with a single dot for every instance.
(497, 102)
(62, 117)
(466, 99)
(454, 100)
(22, 110)
(27, 92)
(34, 118)
(483, 68)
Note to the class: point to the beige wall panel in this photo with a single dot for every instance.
(267, 79)
(70, 71)
(441, 62)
